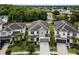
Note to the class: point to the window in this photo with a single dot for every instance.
(68, 34)
(3, 33)
(63, 33)
(37, 32)
(37, 39)
(32, 32)
(31, 38)
(57, 32)
(47, 32)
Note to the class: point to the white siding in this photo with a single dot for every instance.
(70, 34)
(77, 35)
(63, 34)
(0, 26)
(5, 33)
(23, 30)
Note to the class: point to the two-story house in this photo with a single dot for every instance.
(63, 30)
(8, 31)
(39, 31)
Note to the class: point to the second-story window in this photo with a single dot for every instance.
(37, 32)
(68, 33)
(47, 32)
(3, 33)
(32, 32)
(63, 33)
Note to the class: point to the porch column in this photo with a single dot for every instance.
(66, 41)
(10, 40)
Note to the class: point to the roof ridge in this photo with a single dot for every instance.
(43, 24)
(34, 25)
(61, 24)
(19, 25)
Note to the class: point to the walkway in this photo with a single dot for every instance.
(3, 50)
(44, 48)
(62, 49)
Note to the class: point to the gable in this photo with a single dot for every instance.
(38, 24)
(64, 26)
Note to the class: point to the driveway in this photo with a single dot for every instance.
(3, 50)
(44, 48)
(62, 49)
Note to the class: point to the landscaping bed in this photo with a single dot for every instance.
(20, 46)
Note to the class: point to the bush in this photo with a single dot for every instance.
(56, 12)
(18, 43)
(77, 52)
(8, 52)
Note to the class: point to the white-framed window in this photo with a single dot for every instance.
(37, 32)
(3, 33)
(32, 32)
(63, 33)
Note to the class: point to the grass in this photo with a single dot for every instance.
(18, 48)
(73, 50)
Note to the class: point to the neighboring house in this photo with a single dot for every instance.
(8, 32)
(3, 19)
(39, 31)
(63, 31)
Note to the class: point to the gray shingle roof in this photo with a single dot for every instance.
(14, 26)
(59, 25)
(7, 29)
(38, 24)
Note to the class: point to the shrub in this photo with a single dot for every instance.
(8, 52)
(77, 52)
(56, 12)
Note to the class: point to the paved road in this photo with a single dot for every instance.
(44, 48)
(62, 49)
(3, 50)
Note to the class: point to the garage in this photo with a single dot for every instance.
(3, 42)
(61, 41)
(43, 40)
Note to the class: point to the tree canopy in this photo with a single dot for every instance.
(23, 13)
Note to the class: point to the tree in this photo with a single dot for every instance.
(31, 48)
(23, 13)
(73, 18)
(56, 12)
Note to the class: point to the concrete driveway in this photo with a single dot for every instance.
(62, 49)
(44, 48)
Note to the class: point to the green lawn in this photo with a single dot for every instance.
(73, 50)
(18, 47)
